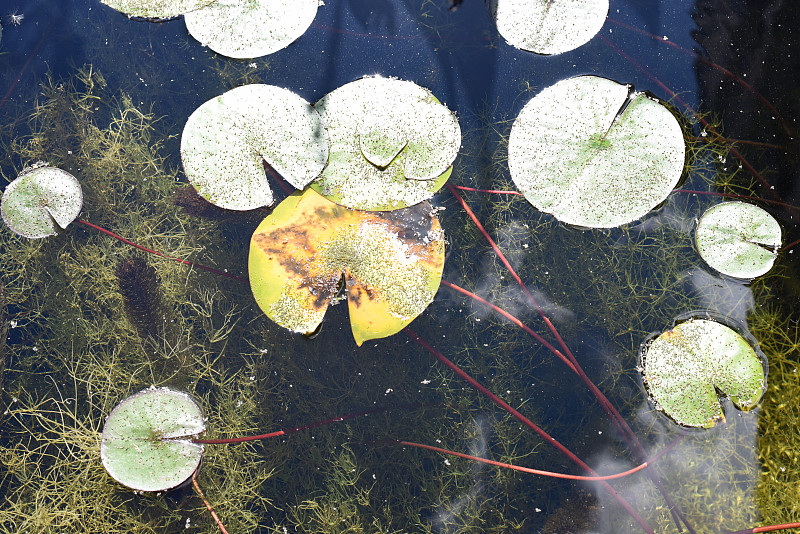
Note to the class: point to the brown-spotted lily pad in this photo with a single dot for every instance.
(392, 264)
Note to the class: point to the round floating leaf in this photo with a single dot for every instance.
(684, 367)
(225, 139)
(738, 239)
(251, 28)
(593, 153)
(41, 202)
(147, 443)
(392, 264)
(156, 9)
(392, 144)
(549, 26)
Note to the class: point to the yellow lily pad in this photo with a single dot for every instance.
(392, 264)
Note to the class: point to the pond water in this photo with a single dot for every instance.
(86, 89)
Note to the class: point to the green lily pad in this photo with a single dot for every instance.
(251, 28)
(685, 367)
(391, 262)
(225, 139)
(41, 202)
(594, 153)
(549, 26)
(156, 9)
(392, 144)
(738, 239)
(146, 442)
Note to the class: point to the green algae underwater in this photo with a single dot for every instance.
(75, 349)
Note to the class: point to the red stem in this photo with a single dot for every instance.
(208, 505)
(528, 470)
(545, 473)
(166, 256)
(295, 429)
(497, 191)
(769, 528)
(514, 320)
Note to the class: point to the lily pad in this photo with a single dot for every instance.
(41, 202)
(392, 144)
(225, 139)
(549, 26)
(251, 28)
(392, 264)
(156, 9)
(594, 153)
(146, 442)
(686, 366)
(738, 239)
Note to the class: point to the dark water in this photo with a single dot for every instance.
(732, 63)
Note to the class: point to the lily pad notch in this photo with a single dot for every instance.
(685, 368)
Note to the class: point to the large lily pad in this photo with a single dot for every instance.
(225, 139)
(594, 153)
(684, 367)
(392, 144)
(738, 239)
(251, 28)
(146, 442)
(549, 26)
(41, 202)
(392, 264)
(156, 9)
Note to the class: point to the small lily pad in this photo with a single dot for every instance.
(41, 202)
(392, 264)
(146, 442)
(392, 144)
(738, 239)
(549, 26)
(686, 366)
(225, 139)
(251, 28)
(594, 153)
(156, 9)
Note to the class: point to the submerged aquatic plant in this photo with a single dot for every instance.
(332, 481)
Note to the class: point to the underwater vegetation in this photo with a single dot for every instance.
(81, 339)
(91, 320)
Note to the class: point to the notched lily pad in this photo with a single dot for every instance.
(392, 144)
(41, 202)
(156, 9)
(594, 153)
(685, 367)
(549, 26)
(225, 139)
(392, 264)
(251, 28)
(738, 239)
(146, 442)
